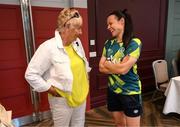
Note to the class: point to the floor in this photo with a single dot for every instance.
(152, 116)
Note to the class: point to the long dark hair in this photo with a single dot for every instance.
(128, 28)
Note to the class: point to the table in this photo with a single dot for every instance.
(172, 93)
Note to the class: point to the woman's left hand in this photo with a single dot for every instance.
(53, 92)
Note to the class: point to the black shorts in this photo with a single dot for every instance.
(129, 104)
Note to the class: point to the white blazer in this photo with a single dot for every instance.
(50, 65)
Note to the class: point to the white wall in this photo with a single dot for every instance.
(51, 3)
(12, 2)
(79, 3)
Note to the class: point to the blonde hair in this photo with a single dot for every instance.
(65, 16)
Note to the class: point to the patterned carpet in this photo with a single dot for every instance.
(152, 116)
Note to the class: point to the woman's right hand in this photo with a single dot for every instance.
(53, 92)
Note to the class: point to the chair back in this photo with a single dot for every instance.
(160, 72)
(174, 65)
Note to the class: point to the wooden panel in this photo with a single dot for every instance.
(15, 92)
(43, 27)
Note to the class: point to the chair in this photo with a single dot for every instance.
(174, 65)
(161, 77)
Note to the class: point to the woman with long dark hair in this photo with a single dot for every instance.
(119, 58)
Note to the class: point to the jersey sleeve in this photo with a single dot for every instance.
(104, 49)
(134, 48)
(104, 52)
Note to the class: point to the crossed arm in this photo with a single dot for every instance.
(123, 67)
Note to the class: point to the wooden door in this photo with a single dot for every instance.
(14, 90)
(149, 18)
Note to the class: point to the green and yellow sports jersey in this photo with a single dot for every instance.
(128, 84)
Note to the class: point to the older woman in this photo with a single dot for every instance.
(59, 66)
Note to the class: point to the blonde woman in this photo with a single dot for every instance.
(59, 66)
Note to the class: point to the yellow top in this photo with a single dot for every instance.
(80, 84)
